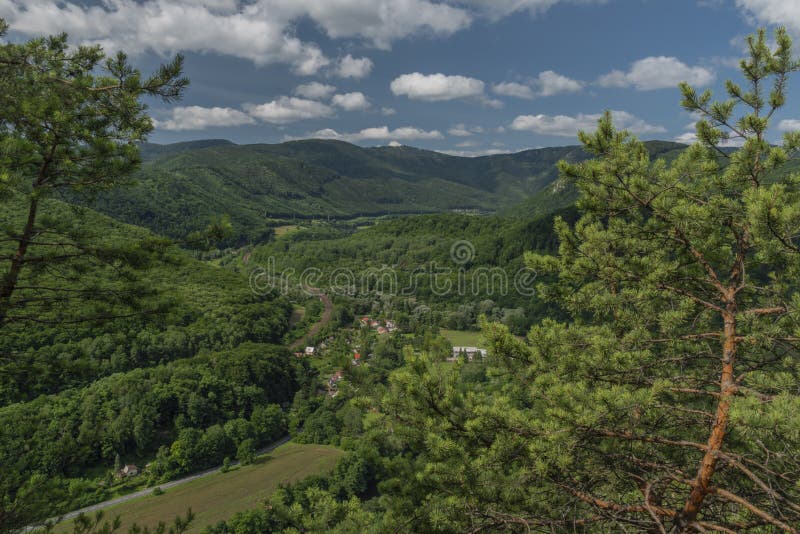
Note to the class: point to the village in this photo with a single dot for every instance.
(382, 328)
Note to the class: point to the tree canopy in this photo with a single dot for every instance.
(668, 402)
(70, 121)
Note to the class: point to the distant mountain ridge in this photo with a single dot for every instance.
(182, 186)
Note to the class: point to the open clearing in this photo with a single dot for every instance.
(462, 338)
(217, 497)
(287, 229)
(298, 312)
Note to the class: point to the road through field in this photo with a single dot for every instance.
(149, 491)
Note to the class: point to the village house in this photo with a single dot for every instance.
(382, 327)
(309, 351)
(335, 377)
(469, 352)
(333, 382)
(129, 470)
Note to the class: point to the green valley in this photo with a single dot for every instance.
(314, 336)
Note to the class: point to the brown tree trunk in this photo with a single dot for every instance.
(701, 484)
(9, 282)
(12, 276)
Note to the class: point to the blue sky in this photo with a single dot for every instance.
(463, 76)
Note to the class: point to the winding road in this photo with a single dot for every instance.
(327, 315)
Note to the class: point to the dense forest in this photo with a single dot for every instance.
(116, 345)
(180, 188)
(409, 246)
(642, 376)
(663, 400)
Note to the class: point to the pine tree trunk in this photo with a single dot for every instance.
(12, 276)
(718, 432)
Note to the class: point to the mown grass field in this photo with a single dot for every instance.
(287, 229)
(462, 338)
(218, 496)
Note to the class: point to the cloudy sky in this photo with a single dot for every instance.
(460, 76)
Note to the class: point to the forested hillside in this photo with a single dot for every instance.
(196, 351)
(658, 394)
(594, 338)
(407, 251)
(182, 187)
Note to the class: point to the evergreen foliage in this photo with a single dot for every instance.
(70, 118)
(668, 401)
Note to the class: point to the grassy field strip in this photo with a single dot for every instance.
(218, 496)
(462, 338)
(283, 230)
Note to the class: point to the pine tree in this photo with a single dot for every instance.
(70, 121)
(669, 401)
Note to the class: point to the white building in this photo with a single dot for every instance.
(469, 352)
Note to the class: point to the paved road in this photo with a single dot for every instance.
(149, 491)
(327, 315)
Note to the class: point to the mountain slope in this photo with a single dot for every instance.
(182, 186)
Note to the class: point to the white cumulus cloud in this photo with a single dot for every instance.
(352, 67)
(789, 125)
(462, 130)
(200, 118)
(781, 12)
(164, 26)
(547, 83)
(379, 133)
(378, 22)
(351, 101)
(262, 31)
(687, 138)
(436, 87)
(315, 90)
(498, 9)
(552, 83)
(568, 126)
(517, 90)
(286, 109)
(658, 72)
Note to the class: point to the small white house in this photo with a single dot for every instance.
(129, 470)
(309, 351)
(470, 352)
